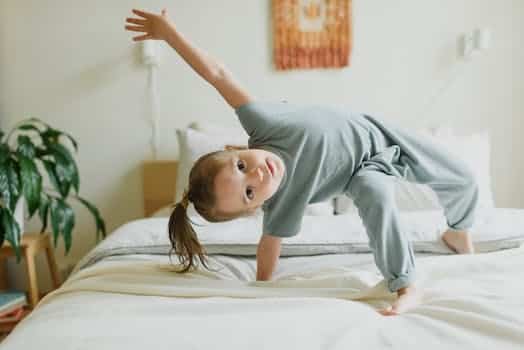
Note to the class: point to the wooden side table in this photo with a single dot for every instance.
(30, 245)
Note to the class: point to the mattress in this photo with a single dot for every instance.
(134, 299)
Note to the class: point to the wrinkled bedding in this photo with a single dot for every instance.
(118, 299)
(315, 302)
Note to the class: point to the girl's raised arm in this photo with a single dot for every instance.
(160, 28)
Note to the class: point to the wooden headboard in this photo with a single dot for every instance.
(158, 183)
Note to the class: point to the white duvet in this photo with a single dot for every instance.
(135, 301)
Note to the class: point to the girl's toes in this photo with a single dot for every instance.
(388, 311)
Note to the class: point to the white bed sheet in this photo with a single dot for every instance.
(133, 301)
(316, 302)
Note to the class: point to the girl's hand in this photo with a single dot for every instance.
(155, 26)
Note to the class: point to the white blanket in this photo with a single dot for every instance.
(316, 302)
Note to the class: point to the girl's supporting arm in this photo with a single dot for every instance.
(159, 27)
(268, 252)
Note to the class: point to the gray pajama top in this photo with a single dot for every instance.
(321, 148)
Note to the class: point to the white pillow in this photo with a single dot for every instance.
(473, 150)
(162, 212)
(195, 143)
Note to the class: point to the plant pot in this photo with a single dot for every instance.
(20, 211)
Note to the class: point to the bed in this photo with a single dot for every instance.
(324, 294)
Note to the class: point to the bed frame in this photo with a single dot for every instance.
(158, 183)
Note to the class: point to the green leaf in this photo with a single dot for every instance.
(30, 127)
(31, 183)
(15, 184)
(52, 136)
(1, 135)
(55, 219)
(10, 185)
(11, 231)
(100, 224)
(62, 221)
(51, 172)
(5, 193)
(27, 127)
(41, 152)
(4, 153)
(73, 141)
(66, 169)
(26, 147)
(62, 176)
(43, 210)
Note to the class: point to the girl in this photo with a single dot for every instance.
(306, 154)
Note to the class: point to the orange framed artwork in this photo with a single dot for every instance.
(311, 33)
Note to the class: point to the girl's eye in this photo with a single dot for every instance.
(249, 193)
(240, 164)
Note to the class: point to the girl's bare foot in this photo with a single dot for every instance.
(459, 241)
(408, 298)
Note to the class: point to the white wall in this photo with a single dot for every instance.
(72, 64)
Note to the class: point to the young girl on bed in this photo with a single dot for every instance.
(307, 154)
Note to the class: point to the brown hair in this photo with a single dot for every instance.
(201, 192)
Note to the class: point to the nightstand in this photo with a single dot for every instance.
(31, 244)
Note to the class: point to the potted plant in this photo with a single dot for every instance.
(21, 179)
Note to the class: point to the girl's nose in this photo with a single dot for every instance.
(258, 173)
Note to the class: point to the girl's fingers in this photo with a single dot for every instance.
(142, 13)
(143, 37)
(137, 28)
(136, 21)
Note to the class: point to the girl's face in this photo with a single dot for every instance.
(248, 179)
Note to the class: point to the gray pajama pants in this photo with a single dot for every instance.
(397, 153)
